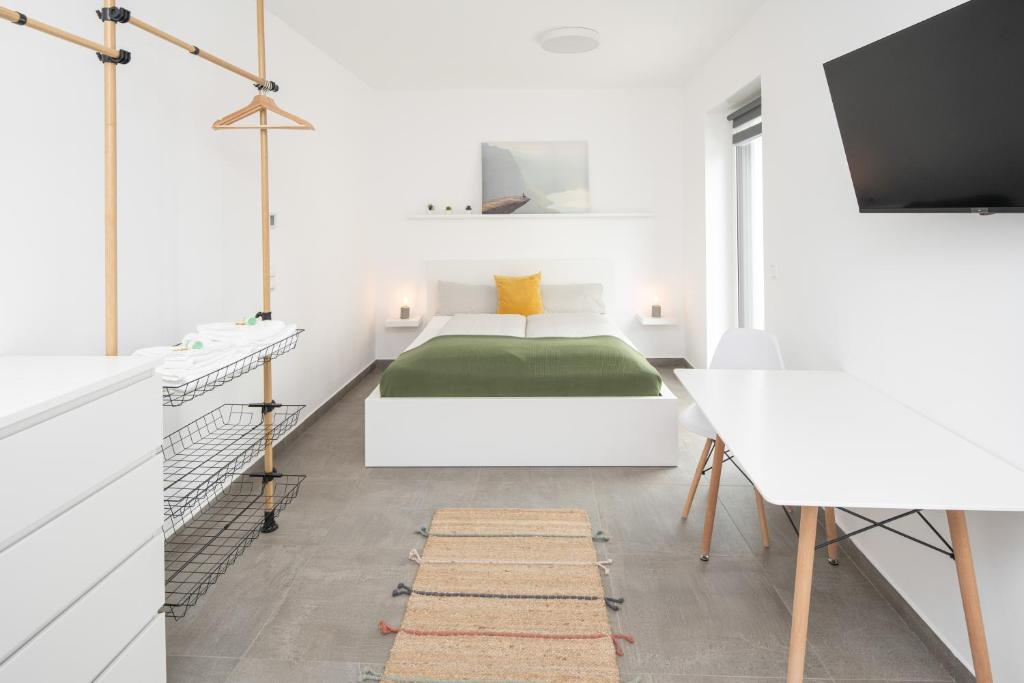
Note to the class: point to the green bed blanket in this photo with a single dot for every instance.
(472, 365)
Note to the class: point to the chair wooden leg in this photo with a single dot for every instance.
(831, 532)
(759, 499)
(802, 594)
(716, 478)
(702, 462)
(969, 594)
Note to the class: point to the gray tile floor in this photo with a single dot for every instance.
(303, 604)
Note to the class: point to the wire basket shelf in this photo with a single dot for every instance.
(183, 393)
(202, 457)
(196, 556)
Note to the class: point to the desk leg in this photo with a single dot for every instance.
(716, 478)
(759, 500)
(802, 594)
(701, 464)
(831, 532)
(969, 594)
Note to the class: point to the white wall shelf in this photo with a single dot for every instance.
(525, 216)
(408, 322)
(648, 321)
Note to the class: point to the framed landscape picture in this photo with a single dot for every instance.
(535, 177)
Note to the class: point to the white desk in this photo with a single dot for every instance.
(825, 439)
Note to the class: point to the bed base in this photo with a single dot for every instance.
(509, 432)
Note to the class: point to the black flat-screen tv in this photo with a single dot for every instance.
(932, 117)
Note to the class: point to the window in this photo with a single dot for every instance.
(747, 149)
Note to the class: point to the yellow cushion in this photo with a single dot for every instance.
(519, 294)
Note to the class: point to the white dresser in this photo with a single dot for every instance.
(81, 548)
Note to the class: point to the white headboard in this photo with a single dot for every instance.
(555, 272)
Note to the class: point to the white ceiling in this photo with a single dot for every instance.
(492, 44)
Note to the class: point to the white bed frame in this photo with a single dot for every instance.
(542, 431)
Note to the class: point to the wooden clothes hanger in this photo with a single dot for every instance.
(261, 103)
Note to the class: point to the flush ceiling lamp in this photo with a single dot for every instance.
(568, 40)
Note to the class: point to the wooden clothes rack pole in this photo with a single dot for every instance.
(111, 57)
(269, 524)
(22, 20)
(110, 186)
(261, 82)
(202, 54)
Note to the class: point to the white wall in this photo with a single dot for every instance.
(428, 151)
(189, 197)
(925, 307)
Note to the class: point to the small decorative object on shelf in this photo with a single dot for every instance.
(448, 209)
(656, 308)
(469, 208)
(430, 208)
(403, 312)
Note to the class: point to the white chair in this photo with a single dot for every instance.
(739, 349)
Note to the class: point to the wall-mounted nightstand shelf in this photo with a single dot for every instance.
(648, 321)
(524, 216)
(415, 321)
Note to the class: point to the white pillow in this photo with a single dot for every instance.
(573, 298)
(454, 298)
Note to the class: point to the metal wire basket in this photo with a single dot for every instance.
(182, 393)
(196, 556)
(204, 455)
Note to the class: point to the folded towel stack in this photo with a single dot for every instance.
(213, 346)
(255, 336)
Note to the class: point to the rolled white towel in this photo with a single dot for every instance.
(242, 334)
(187, 342)
(179, 374)
(219, 346)
(198, 342)
(287, 331)
(199, 359)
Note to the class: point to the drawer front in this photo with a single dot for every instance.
(58, 462)
(64, 559)
(80, 644)
(144, 660)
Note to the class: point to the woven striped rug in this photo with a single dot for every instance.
(505, 596)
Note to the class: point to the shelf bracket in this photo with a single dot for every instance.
(265, 407)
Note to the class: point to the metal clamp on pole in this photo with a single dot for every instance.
(123, 57)
(267, 86)
(116, 14)
(266, 407)
(268, 476)
(264, 315)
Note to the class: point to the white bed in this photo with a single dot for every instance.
(555, 431)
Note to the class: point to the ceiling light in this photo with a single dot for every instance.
(570, 40)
